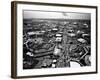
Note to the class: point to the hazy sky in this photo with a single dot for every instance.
(56, 15)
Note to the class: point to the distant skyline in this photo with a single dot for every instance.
(55, 15)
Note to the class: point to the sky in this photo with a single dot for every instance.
(55, 15)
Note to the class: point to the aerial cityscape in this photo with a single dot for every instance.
(56, 42)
